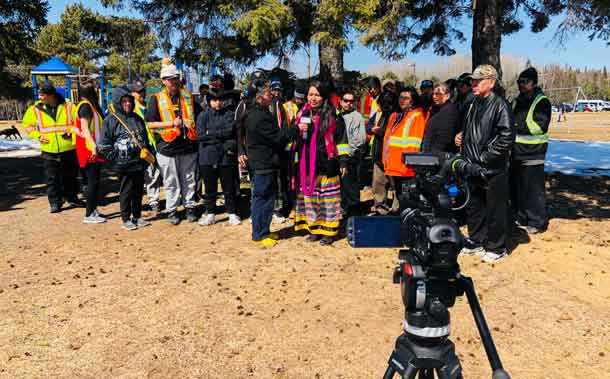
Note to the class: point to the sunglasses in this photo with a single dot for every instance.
(348, 100)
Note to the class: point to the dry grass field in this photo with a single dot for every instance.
(81, 301)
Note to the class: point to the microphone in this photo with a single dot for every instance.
(306, 119)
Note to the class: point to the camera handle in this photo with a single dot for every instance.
(477, 313)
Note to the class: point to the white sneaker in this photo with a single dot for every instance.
(234, 219)
(207, 219)
(493, 257)
(478, 251)
(278, 219)
(94, 218)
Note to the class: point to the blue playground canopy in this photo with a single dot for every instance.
(54, 66)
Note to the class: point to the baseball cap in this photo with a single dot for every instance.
(484, 71)
(137, 86)
(47, 89)
(426, 84)
(276, 84)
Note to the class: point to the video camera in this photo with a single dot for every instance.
(428, 269)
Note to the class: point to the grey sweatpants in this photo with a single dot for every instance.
(152, 181)
(179, 179)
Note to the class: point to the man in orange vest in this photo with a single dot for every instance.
(404, 133)
(367, 105)
(172, 114)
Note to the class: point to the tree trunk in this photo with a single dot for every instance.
(331, 62)
(486, 34)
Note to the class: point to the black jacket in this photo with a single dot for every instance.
(463, 103)
(116, 143)
(377, 147)
(542, 116)
(324, 165)
(265, 140)
(441, 129)
(217, 137)
(488, 132)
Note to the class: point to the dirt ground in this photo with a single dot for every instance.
(80, 301)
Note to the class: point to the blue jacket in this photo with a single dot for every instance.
(217, 137)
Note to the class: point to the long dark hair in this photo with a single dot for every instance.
(87, 91)
(326, 109)
(415, 98)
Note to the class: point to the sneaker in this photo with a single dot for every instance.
(494, 256)
(207, 219)
(76, 202)
(266, 242)
(191, 216)
(173, 218)
(94, 218)
(278, 219)
(55, 208)
(533, 230)
(154, 208)
(234, 219)
(129, 225)
(326, 241)
(140, 222)
(472, 248)
(97, 213)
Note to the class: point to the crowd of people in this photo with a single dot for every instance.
(308, 157)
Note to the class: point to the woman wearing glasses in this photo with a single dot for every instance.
(443, 123)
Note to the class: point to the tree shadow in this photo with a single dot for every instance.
(577, 197)
(23, 178)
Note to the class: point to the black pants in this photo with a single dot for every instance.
(487, 212)
(528, 195)
(130, 197)
(210, 176)
(92, 170)
(285, 196)
(61, 171)
(350, 186)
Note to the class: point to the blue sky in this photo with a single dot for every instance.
(539, 47)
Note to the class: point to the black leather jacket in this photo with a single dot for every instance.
(489, 132)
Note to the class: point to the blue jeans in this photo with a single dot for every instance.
(264, 191)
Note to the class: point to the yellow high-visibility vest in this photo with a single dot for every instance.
(38, 123)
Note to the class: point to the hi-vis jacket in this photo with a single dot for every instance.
(291, 109)
(367, 107)
(404, 133)
(532, 119)
(39, 122)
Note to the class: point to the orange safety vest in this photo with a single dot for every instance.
(367, 106)
(168, 114)
(401, 137)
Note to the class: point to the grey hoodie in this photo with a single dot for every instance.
(355, 130)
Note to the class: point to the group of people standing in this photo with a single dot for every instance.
(306, 157)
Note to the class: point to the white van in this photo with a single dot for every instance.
(594, 105)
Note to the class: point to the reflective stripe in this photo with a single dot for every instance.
(402, 142)
(97, 120)
(532, 140)
(165, 105)
(343, 149)
(537, 135)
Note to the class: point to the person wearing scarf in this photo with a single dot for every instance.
(320, 156)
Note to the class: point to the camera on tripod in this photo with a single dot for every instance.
(428, 270)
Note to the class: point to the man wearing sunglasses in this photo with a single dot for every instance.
(532, 110)
(488, 138)
(355, 129)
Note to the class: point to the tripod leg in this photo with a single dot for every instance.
(389, 373)
(479, 319)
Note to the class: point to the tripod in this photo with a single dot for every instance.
(426, 356)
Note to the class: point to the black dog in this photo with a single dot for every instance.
(11, 133)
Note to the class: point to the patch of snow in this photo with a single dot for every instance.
(24, 144)
(591, 158)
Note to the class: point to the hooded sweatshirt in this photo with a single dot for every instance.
(116, 143)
